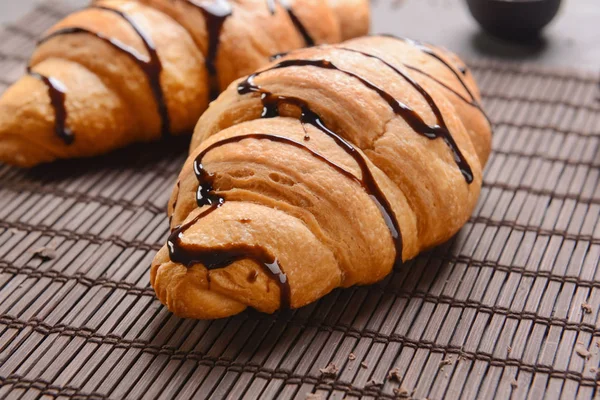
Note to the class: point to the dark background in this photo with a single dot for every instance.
(573, 39)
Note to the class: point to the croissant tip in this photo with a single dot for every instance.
(177, 288)
(22, 153)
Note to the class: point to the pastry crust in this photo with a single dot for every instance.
(267, 151)
(131, 71)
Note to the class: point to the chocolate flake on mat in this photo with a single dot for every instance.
(364, 365)
(394, 375)
(514, 383)
(331, 370)
(446, 361)
(45, 253)
(587, 309)
(351, 357)
(402, 392)
(582, 351)
(373, 384)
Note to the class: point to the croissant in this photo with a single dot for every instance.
(321, 171)
(124, 71)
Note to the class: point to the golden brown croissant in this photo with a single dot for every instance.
(319, 172)
(124, 71)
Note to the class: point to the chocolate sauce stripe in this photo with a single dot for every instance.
(404, 111)
(215, 15)
(471, 102)
(69, 235)
(203, 359)
(152, 67)
(433, 52)
(16, 186)
(57, 93)
(271, 103)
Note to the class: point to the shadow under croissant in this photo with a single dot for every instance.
(349, 311)
(153, 156)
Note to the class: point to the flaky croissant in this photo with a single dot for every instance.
(319, 172)
(124, 71)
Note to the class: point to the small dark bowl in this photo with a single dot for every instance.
(514, 19)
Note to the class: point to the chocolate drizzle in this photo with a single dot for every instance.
(308, 40)
(151, 66)
(430, 52)
(271, 104)
(443, 131)
(57, 93)
(463, 70)
(220, 257)
(215, 14)
(401, 109)
(216, 257)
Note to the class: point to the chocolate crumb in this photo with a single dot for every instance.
(45, 253)
(514, 383)
(351, 357)
(508, 349)
(402, 392)
(394, 375)
(245, 220)
(582, 351)
(446, 361)
(364, 365)
(330, 370)
(373, 384)
(587, 309)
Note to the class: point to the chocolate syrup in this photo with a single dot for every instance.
(151, 66)
(443, 132)
(220, 257)
(401, 109)
(57, 93)
(271, 104)
(216, 257)
(308, 39)
(215, 14)
(427, 50)
(463, 69)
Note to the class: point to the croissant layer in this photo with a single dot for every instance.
(124, 71)
(321, 171)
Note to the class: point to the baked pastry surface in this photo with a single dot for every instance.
(124, 71)
(321, 171)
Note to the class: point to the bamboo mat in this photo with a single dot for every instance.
(509, 307)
